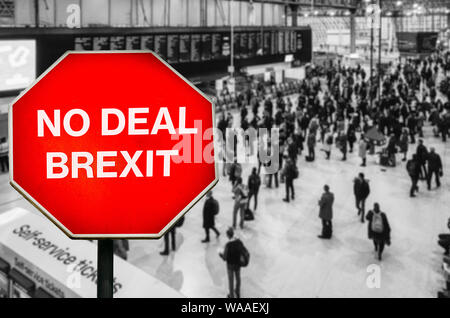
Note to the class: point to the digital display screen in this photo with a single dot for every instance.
(185, 48)
(118, 43)
(17, 64)
(83, 44)
(216, 46)
(133, 43)
(195, 47)
(161, 46)
(147, 42)
(101, 43)
(173, 48)
(206, 47)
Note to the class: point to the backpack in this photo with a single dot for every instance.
(377, 223)
(295, 172)
(244, 258)
(411, 166)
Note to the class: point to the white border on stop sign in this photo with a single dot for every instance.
(36, 204)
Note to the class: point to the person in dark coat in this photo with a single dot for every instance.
(289, 173)
(422, 155)
(231, 255)
(361, 189)
(254, 182)
(413, 168)
(378, 229)
(326, 213)
(434, 168)
(210, 210)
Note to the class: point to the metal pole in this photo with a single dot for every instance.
(371, 63)
(379, 55)
(36, 12)
(231, 40)
(105, 268)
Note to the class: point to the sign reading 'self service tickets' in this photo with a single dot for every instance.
(112, 145)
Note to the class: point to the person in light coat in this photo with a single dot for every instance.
(363, 150)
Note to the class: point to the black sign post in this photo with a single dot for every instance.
(105, 268)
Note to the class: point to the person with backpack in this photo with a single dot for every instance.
(240, 202)
(361, 189)
(210, 210)
(378, 229)
(326, 213)
(290, 172)
(236, 255)
(254, 182)
(413, 168)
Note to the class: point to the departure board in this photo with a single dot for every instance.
(133, 42)
(206, 47)
(147, 42)
(196, 43)
(287, 42)
(280, 42)
(101, 43)
(259, 43)
(216, 46)
(237, 44)
(117, 43)
(274, 42)
(161, 45)
(185, 48)
(243, 47)
(267, 47)
(83, 43)
(173, 48)
(251, 44)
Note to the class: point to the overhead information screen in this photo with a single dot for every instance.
(178, 47)
(101, 43)
(185, 48)
(173, 48)
(161, 45)
(17, 64)
(195, 47)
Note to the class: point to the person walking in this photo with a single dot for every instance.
(422, 155)
(210, 210)
(326, 213)
(254, 182)
(240, 202)
(172, 233)
(235, 255)
(378, 229)
(434, 168)
(363, 150)
(361, 189)
(413, 168)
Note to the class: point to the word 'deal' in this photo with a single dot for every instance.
(101, 164)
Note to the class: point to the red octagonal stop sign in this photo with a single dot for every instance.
(114, 144)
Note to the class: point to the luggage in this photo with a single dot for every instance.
(377, 223)
(384, 160)
(244, 258)
(248, 215)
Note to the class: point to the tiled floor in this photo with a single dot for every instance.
(287, 258)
